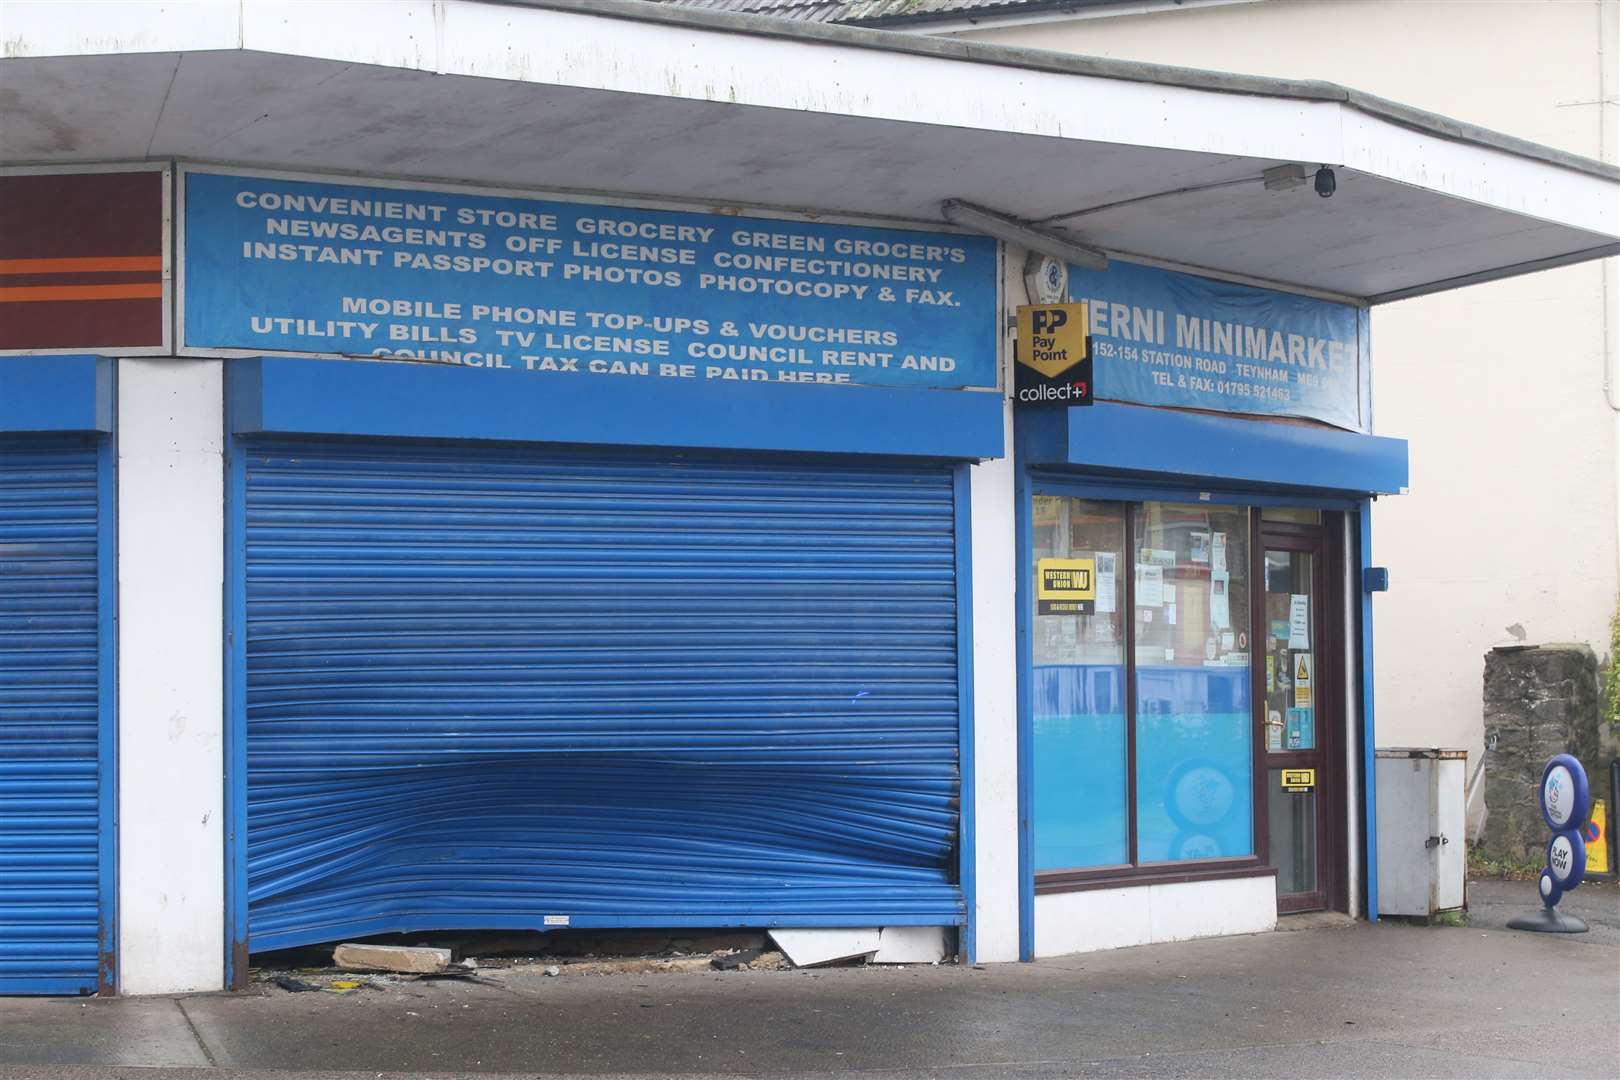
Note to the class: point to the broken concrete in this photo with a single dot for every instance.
(409, 959)
(639, 965)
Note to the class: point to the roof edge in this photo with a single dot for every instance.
(921, 19)
(1011, 56)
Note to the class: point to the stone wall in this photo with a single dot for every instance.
(1540, 700)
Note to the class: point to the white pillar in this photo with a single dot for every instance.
(171, 541)
(995, 708)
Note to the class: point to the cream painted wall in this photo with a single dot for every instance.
(1512, 516)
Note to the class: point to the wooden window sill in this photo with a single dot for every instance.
(1062, 881)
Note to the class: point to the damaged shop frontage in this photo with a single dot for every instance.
(420, 517)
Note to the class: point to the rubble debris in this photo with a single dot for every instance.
(409, 959)
(740, 959)
(294, 986)
(387, 962)
(467, 972)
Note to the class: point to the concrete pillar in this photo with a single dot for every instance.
(171, 541)
(995, 708)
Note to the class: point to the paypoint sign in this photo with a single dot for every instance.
(1054, 355)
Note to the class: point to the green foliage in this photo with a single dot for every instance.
(1609, 677)
(1504, 867)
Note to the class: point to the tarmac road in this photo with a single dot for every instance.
(1387, 1000)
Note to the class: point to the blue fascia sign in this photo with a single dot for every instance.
(1160, 337)
(530, 286)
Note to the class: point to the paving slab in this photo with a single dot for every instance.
(1387, 1000)
(97, 1031)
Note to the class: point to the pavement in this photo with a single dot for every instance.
(1385, 1000)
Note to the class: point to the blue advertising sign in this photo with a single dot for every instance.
(526, 285)
(1165, 338)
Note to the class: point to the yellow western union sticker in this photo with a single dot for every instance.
(1065, 586)
(1298, 779)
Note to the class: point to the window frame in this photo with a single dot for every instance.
(1130, 494)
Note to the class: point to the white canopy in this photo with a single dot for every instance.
(643, 100)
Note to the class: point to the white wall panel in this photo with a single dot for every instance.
(995, 708)
(170, 703)
(1096, 919)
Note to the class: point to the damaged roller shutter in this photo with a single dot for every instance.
(519, 689)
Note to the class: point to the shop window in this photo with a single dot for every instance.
(1194, 743)
(1079, 689)
(1162, 773)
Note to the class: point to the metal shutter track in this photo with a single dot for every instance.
(488, 686)
(49, 876)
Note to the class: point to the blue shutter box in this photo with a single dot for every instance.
(514, 688)
(51, 783)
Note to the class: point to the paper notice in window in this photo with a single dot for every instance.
(1304, 685)
(1106, 565)
(1220, 606)
(1218, 562)
(1299, 621)
(1149, 585)
(1200, 548)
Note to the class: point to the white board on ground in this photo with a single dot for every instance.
(910, 945)
(810, 947)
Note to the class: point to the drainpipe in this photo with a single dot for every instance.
(1608, 12)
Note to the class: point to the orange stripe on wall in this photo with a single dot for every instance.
(18, 294)
(80, 266)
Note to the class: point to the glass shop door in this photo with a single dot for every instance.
(1297, 714)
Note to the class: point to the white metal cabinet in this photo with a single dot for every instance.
(1422, 846)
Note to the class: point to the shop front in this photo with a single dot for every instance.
(643, 604)
(1191, 691)
(584, 492)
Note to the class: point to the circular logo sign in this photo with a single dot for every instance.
(1564, 795)
(1197, 846)
(1561, 858)
(1557, 791)
(1202, 796)
(1566, 859)
(1550, 892)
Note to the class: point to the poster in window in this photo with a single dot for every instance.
(1065, 586)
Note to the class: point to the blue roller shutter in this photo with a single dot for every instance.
(50, 780)
(493, 688)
